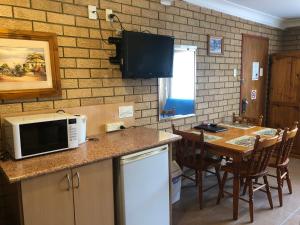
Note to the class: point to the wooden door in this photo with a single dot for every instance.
(93, 194)
(48, 200)
(284, 82)
(254, 49)
(284, 105)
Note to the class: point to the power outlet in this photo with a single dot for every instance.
(92, 10)
(110, 127)
(107, 13)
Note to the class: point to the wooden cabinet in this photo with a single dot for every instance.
(48, 200)
(93, 196)
(284, 96)
(80, 196)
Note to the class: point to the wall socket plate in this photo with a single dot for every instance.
(107, 13)
(110, 127)
(92, 12)
(125, 111)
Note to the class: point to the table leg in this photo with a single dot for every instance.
(236, 189)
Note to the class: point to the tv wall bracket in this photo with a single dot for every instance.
(116, 60)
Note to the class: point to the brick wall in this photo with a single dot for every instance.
(88, 78)
(291, 39)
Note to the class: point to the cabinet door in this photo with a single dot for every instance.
(282, 116)
(48, 200)
(296, 78)
(282, 88)
(93, 194)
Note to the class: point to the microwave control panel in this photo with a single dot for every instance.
(72, 133)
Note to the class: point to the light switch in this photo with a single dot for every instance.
(125, 111)
(235, 72)
(261, 71)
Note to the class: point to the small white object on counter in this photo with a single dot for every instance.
(110, 127)
(81, 127)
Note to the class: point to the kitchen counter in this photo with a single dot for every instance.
(107, 146)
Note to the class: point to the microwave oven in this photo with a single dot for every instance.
(31, 135)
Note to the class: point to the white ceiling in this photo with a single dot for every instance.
(288, 9)
(276, 13)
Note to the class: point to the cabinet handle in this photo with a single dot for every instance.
(78, 180)
(69, 182)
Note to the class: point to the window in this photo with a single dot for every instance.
(177, 94)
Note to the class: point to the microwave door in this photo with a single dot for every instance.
(43, 137)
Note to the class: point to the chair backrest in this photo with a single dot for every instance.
(286, 144)
(261, 154)
(189, 147)
(248, 120)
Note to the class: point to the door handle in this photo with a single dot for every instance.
(78, 180)
(244, 105)
(69, 182)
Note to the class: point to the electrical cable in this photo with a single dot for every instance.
(101, 36)
(119, 21)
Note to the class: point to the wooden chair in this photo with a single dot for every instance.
(190, 153)
(251, 169)
(280, 160)
(243, 119)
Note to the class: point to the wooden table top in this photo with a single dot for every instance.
(230, 134)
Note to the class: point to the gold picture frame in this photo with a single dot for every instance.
(215, 45)
(29, 64)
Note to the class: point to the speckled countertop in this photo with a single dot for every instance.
(108, 146)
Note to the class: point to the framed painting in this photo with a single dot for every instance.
(29, 64)
(215, 45)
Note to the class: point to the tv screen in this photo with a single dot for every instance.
(147, 55)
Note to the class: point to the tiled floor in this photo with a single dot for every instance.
(187, 212)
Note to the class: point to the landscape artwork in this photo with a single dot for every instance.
(29, 65)
(18, 64)
(24, 64)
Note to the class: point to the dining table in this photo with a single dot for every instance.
(236, 143)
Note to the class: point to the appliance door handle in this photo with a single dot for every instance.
(69, 182)
(78, 180)
(143, 156)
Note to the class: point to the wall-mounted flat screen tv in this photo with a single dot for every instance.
(146, 55)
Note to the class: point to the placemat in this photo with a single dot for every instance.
(242, 126)
(208, 137)
(245, 141)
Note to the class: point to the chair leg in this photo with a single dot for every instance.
(200, 189)
(245, 187)
(218, 176)
(288, 179)
(221, 191)
(242, 182)
(251, 199)
(196, 177)
(279, 184)
(268, 191)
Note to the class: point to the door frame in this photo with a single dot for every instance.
(266, 73)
